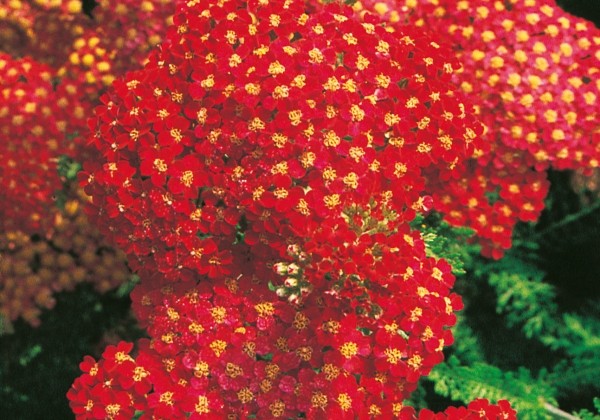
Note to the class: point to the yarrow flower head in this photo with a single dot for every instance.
(255, 122)
(274, 147)
(236, 349)
(35, 118)
(533, 68)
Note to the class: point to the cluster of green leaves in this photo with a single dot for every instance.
(445, 241)
(586, 414)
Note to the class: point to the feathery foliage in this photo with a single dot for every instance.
(481, 380)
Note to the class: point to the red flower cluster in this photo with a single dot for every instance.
(225, 351)
(534, 71)
(33, 268)
(119, 39)
(256, 127)
(236, 349)
(133, 27)
(34, 121)
(43, 106)
(42, 113)
(266, 148)
(477, 409)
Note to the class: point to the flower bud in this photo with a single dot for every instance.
(292, 269)
(290, 282)
(280, 268)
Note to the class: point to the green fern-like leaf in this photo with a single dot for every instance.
(523, 296)
(584, 333)
(587, 414)
(529, 396)
(577, 335)
(445, 241)
(574, 374)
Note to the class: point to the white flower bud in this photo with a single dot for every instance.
(293, 269)
(280, 268)
(290, 282)
(293, 249)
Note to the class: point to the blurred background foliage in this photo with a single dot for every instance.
(529, 333)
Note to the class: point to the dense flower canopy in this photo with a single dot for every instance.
(260, 170)
(239, 349)
(268, 124)
(270, 156)
(534, 69)
(34, 119)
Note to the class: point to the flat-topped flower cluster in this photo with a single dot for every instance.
(534, 71)
(260, 173)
